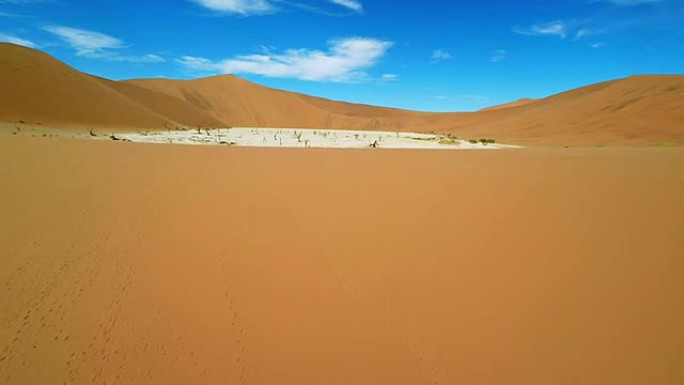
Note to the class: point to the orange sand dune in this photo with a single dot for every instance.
(172, 108)
(238, 102)
(640, 110)
(637, 111)
(161, 264)
(39, 89)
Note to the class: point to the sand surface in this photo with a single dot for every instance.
(150, 264)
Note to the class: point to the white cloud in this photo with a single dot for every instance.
(554, 28)
(345, 61)
(18, 3)
(598, 45)
(498, 55)
(390, 77)
(354, 5)
(241, 7)
(16, 40)
(265, 7)
(98, 45)
(198, 63)
(117, 57)
(439, 55)
(584, 32)
(83, 41)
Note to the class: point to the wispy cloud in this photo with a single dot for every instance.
(265, 7)
(557, 28)
(439, 55)
(598, 45)
(16, 40)
(611, 20)
(14, 3)
(240, 7)
(584, 32)
(97, 45)
(354, 5)
(389, 77)
(345, 61)
(83, 41)
(498, 55)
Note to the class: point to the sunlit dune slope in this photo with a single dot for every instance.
(640, 110)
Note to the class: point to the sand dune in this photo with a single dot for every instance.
(38, 89)
(184, 114)
(642, 110)
(238, 102)
(161, 264)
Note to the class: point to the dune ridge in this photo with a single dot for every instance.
(635, 111)
(516, 103)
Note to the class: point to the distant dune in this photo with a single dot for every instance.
(238, 102)
(640, 110)
(635, 110)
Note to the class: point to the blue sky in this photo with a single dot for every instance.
(431, 55)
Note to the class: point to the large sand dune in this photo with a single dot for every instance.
(39, 89)
(161, 264)
(642, 110)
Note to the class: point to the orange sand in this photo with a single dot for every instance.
(163, 264)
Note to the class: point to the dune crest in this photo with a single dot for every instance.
(516, 103)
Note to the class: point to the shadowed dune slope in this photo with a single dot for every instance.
(238, 102)
(156, 264)
(170, 107)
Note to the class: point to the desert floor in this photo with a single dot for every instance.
(267, 137)
(168, 264)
